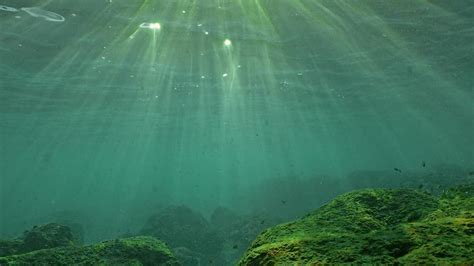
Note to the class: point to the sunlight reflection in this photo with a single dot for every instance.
(152, 26)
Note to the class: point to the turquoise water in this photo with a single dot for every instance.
(123, 107)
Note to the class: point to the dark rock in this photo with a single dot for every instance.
(187, 257)
(180, 226)
(75, 220)
(237, 231)
(10, 247)
(47, 236)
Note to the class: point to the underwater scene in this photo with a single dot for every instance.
(236, 132)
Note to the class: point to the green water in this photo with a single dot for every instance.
(109, 121)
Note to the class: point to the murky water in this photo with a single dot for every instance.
(111, 109)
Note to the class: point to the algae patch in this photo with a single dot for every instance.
(385, 226)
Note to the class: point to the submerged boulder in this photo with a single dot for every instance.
(47, 236)
(187, 257)
(39, 237)
(73, 219)
(180, 226)
(375, 226)
(11, 247)
(140, 250)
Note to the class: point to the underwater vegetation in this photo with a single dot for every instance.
(52, 244)
(39, 237)
(196, 241)
(219, 132)
(375, 226)
(188, 235)
(186, 231)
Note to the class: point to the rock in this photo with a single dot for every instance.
(179, 226)
(457, 202)
(10, 247)
(39, 237)
(75, 220)
(142, 250)
(375, 226)
(47, 236)
(238, 232)
(187, 257)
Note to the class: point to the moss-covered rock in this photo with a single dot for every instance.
(457, 202)
(47, 236)
(10, 247)
(382, 226)
(77, 221)
(182, 227)
(39, 237)
(141, 250)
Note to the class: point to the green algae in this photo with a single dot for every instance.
(381, 226)
(39, 237)
(142, 250)
(11, 247)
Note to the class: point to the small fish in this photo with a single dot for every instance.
(420, 186)
(262, 222)
(423, 164)
(283, 201)
(235, 246)
(397, 170)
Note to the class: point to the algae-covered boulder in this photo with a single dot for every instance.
(456, 202)
(10, 247)
(39, 237)
(142, 250)
(381, 226)
(77, 221)
(180, 226)
(47, 236)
